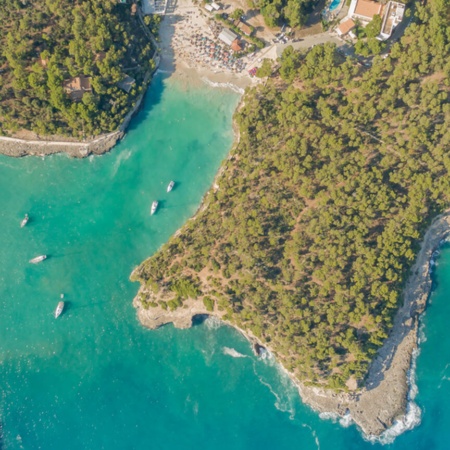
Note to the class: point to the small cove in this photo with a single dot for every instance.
(95, 378)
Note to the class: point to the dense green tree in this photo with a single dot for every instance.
(310, 237)
(101, 40)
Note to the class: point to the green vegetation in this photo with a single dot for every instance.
(320, 209)
(230, 24)
(278, 12)
(371, 45)
(45, 42)
(237, 14)
(265, 70)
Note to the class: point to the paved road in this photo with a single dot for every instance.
(311, 41)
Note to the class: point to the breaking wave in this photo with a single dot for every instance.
(285, 392)
(233, 353)
(231, 86)
(413, 415)
(213, 323)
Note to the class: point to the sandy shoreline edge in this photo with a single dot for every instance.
(169, 60)
(383, 408)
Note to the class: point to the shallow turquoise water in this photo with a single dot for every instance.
(95, 378)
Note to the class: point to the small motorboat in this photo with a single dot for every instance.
(38, 259)
(171, 185)
(24, 221)
(59, 309)
(154, 207)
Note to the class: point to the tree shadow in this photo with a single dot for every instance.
(165, 70)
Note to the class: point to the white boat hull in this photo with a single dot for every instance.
(59, 309)
(24, 221)
(171, 185)
(38, 259)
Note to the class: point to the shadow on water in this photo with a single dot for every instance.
(151, 98)
(165, 70)
(199, 319)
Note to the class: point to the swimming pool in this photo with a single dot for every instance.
(334, 5)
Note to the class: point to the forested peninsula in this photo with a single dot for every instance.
(70, 68)
(309, 234)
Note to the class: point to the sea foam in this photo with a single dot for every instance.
(233, 353)
(413, 415)
(231, 86)
(213, 323)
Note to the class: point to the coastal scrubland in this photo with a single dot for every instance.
(308, 236)
(47, 42)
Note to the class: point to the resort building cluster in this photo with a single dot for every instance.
(363, 12)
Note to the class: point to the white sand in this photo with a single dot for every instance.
(184, 60)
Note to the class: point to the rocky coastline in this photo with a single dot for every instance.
(383, 401)
(76, 149)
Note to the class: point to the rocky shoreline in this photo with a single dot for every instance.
(76, 149)
(22, 147)
(383, 401)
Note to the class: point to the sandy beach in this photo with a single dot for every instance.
(188, 38)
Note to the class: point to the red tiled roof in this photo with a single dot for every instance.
(346, 26)
(368, 9)
(235, 46)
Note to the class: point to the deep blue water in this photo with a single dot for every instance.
(94, 378)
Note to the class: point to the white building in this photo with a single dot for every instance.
(227, 36)
(393, 15)
(215, 6)
(208, 7)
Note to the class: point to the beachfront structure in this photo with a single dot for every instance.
(77, 86)
(227, 36)
(346, 27)
(236, 46)
(244, 28)
(393, 15)
(364, 10)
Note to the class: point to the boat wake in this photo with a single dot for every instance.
(233, 353)
(120, 159)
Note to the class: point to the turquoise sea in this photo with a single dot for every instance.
(94, 378)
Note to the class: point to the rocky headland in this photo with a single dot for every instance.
(384, 399)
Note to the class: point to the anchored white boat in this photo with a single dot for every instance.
(24, 221)
(171, 185)
(59, 309)
(38, 259)
(154, 207)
